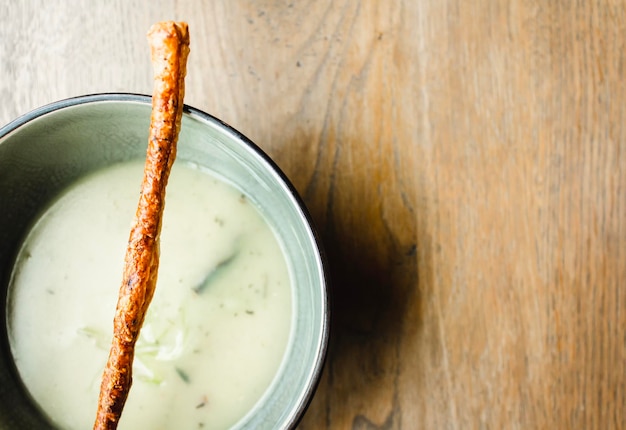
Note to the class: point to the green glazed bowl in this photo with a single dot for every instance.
(44, 151)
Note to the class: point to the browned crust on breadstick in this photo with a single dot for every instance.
(169, 42)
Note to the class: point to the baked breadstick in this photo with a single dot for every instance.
(169, 43)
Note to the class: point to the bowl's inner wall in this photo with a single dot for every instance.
(40, 158)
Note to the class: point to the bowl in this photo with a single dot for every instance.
(47, 150)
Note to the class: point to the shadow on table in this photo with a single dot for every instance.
(373, 276)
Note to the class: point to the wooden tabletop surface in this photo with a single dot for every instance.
(464, 160)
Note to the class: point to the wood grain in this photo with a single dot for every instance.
(465, 162)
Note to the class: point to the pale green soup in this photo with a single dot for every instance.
(216, 330)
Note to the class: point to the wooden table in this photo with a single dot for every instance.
(465, 162)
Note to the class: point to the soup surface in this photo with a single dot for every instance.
(216, 330)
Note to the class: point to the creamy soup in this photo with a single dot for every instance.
(216, 330)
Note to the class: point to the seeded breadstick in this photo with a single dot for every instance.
(169, 43)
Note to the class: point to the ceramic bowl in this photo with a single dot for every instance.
(46, 150)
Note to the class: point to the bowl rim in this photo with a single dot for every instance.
(322, 354)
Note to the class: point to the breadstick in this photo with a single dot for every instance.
(169, 43)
